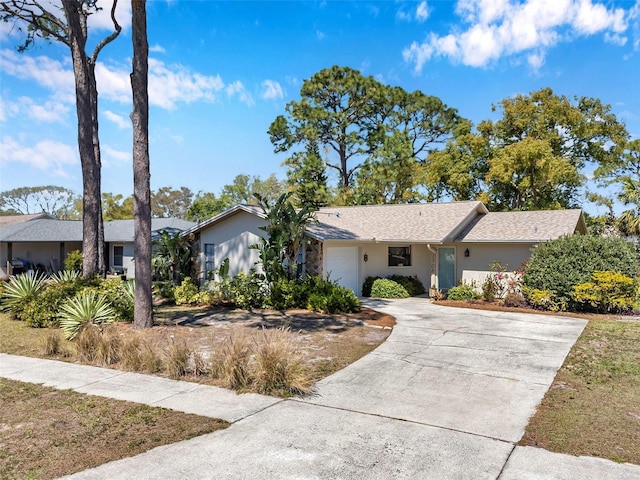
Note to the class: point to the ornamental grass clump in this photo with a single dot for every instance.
(20, 291)
(278, 367)
(233, 361)
(176, 358)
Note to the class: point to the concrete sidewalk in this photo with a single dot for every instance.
(185, 397)
(446, 397)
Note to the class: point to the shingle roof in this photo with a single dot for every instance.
(417, 222)
(51, 230)
(532, 226)
(251, 209)
(13, 219)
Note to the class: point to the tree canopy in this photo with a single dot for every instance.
(59, 202)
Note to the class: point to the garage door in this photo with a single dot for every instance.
(342, 266)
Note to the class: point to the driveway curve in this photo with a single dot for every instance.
(447, 396)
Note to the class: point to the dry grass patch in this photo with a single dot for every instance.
(46, 433)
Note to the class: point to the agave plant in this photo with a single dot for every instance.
(20, 290)
(88, 308)
(65, 276)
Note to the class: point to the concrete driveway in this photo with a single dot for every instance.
(446, 397)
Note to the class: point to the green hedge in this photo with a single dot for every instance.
(558, 265)
(385, 288)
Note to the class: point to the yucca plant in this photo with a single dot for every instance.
(65, 276)
(88, 308)
(20, 290)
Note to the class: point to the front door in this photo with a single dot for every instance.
(446, 268)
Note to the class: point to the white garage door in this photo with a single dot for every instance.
(342, 266)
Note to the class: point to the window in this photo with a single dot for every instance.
(399, 256)
(209, 258)
(118, 257)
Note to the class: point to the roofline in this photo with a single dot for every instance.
(221, 216)
(480, 209)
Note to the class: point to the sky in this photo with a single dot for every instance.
(221, 72)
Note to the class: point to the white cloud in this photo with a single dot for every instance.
(499, 28)
(236, 89)
(110, 153)
(319, 35)
(271, 90)
(422, 12)
(45, 71)
(157, 49)
(46, 155)
(403, 16)
(119, 120)
(49, 111)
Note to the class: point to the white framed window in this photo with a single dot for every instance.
(400, 256)
(209, 258)
(118, 257)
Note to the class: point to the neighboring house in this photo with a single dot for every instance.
(42, 242)
(440, 243)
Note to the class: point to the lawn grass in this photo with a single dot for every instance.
(593, 406)
(46, 433)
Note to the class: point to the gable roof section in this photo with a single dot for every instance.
(250, 209)
(528, 227)
(13, 219)
(51, 230)
(415, 223)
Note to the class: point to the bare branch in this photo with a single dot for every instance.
(105, 41)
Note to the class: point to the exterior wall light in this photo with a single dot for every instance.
(366, 257)
(466, 252)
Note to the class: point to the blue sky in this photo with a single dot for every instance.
(220, 72)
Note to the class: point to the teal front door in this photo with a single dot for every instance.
(446, 268)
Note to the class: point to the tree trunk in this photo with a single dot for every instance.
(143, 308)
(84, 80)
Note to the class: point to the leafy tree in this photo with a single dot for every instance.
(45, 22)
(335, 104)
(116, 207)
(540, 146)
(362, 123)
(244, 188)
(58, 202)
(286, 228)
(143, 308)
(624, 172)
(307, 179)
(167, 202)
(204, 206)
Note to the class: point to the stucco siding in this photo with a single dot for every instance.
(475, 267)
(232, 239)
(38, 253)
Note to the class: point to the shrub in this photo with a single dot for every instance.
(463, 291)
(87, 309)
(412, 285)
(489, 289)
(286, 294)
(21, 290)
(366, 286)
(606, 292)
(385, 288)
(543, 300)
(248, 290)
(513, 299)
(73, 261)
(186, 292)
(559, 265)
(120, 295)
(43, 310)
(164, 289)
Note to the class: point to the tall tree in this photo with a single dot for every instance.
(332, 113)
(116, 207)
(56, 201)
(167, 202)
(307, 179)
(71, 30)
(541, 145)
(143, 308)
(204, 206)
(623, 174)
